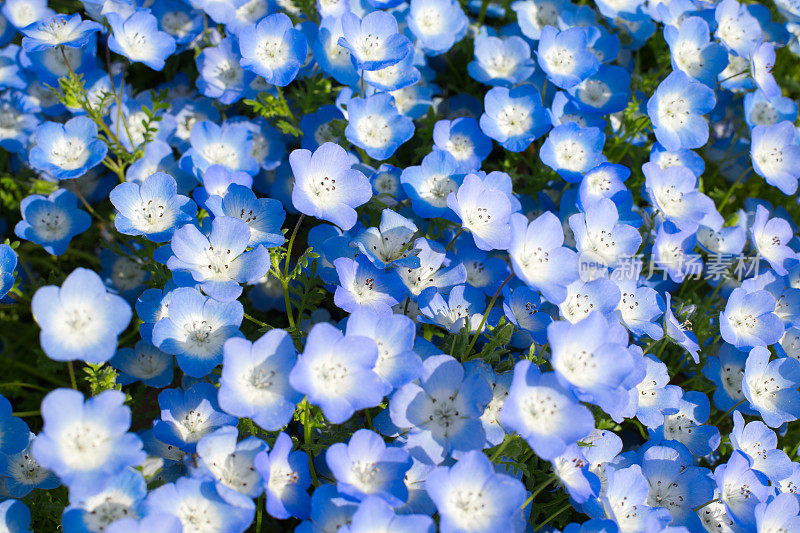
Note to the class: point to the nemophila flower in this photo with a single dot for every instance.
(374, 42)
(676, 110)
(94, 508)
(13, 431)
(693, 52)
(375, 514)
(435, 269)
(19, 121)
(80, 320)
(601, 238)
(485, 272)
(336, 373)
(255, 379)
(683, 157)
(58, 30)
(187, 416)
(776, 155)
(264, 216)
(15, 516)
(138, 38)
(544, 413)
(656, 397)
(726, 370)
(331, 57)
(69, 150)
(687, 425)
(437, 24)
(196, 329)
(514, 117)
(365, 467)
(762, 61)
(759, 110)
(229, 145)
(590, 363)
(523, 307)
(605, 91)
(679, 332)
(231, 464)
(673, 192)
(221, 75)
(23, 13)
(215, 182)
(672, 252)
(195, 501)
(677, 487)
(429, 184)
(374, 125)
(394, 77)
(534, 15)
(462, 308)
(326, 187)
(182, 22)
(565, 56)
(572, 151)
(472, 496)
(386, 183)
(539, 258)
(625, 501)
(144, 362)
(771, 237)
(741, 489)
(151, 523)
(759, 443)
(639, 307)
(397, 363)
(464, 140)
(771, 386)
(483, 211)
(22, 471)
(388, 244)
(8, 262)
(86, 442)
(286, 478)
(737, 29)
(501, 61)
(749, 319)
(153, 208)
(573, 472)
(273, 49)
(330, 511)
(442, 410)
(499, 384)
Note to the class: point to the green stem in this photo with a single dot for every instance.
(496, 455)
(308, 439)
(733, 187)
(552, 516)
(23, 414)
(453, 240)
(485, 314)
(256, 321)
(726, 413)
(71, 371)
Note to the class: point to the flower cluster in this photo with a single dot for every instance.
(366, 265)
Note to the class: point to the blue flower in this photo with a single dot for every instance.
(625, 501)
(215, 183)
(534, 15)
(138, 38)
(8, 262)
(15, 516)
(221, 261)
(374, 41)
(196, 329)
(501, 61)
(397, 362)
(255, 379)
(524, 308)
(394, 77)
(22, 471)
(693, 52)
(229, 145)
(23, 13)
(153, 208)
(442, 411)
(93, 507)
(152, 523)
(600, 238)
(741, 489)
(58, 30)
(565, 56)
(231, 464)
(572, 151)
(656, 397)
(463, 139)
(221, 75)
(86, 442)
(463, 308)
(779, 513)
(13, 431)
(483, 211)
(326, 187)
(749, 319)
(673, 193)
(144, 362)
(80, 320)
(330, 511)
(771, 386)
(429, 184)
(605, 91)
(544, 413)
(759, 110)
(375, 125)
(726, 370)
(515, 117)
(437, 24)
(756, 441)
(676, 110)
(336, 373)
(435, 269)
(273, 49)
(187, 416)
(69, 150)
(388, 244)
(287, 478)
(195, 501)
(332, 58)
(375, 514)
(737, 29)
(776, 155)
(472, 496)
(687, 426)
(365, 467)
(539, 257)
